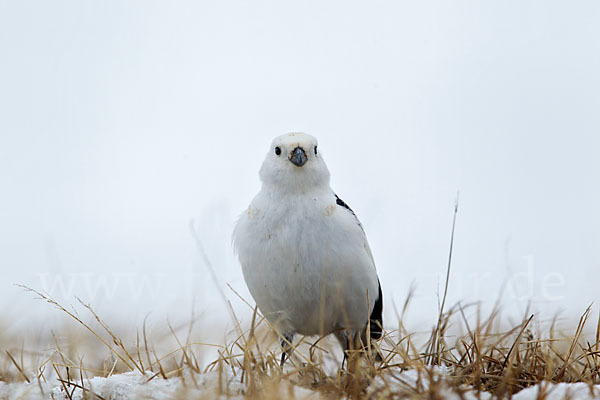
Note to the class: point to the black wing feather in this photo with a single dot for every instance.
(341, 203)
(377, 316)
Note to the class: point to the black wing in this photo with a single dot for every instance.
(377, 316)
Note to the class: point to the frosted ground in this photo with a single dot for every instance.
(133, 385)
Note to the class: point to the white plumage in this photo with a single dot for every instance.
(303, 252)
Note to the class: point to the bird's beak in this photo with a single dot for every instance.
(298, 157)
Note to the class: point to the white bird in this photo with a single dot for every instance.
(304, 254)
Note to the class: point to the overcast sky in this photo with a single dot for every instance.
(122, 121)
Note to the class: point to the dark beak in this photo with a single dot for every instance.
(298, 157)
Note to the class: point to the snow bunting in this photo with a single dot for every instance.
(304, 253)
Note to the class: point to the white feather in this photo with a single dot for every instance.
(305, 259)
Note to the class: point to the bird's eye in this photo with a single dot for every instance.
(315, 150)
(277, 150)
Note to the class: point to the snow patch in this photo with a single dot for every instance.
(226, 385)
(559, 391)
(134, 385)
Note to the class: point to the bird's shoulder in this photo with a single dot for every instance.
(347, 210)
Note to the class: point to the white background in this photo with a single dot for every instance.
(122, 121)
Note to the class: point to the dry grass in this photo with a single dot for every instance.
(483, 358)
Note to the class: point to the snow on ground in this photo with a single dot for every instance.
(417, 381)
(575, 391)
(134, 385)
(130, 385)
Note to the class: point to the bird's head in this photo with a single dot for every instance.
(294, 163)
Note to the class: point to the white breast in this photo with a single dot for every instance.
(306, 262)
